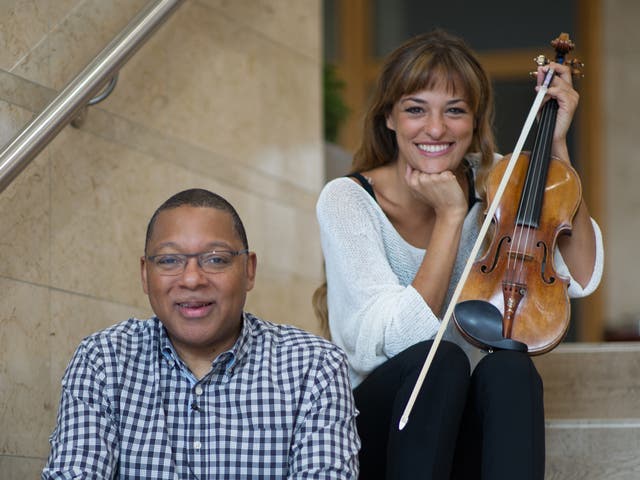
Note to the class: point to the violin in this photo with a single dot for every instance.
(513, 298)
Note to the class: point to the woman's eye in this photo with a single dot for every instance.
(414, 110)
(457, 111)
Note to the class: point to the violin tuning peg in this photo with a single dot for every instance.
(541, 60)
(576, 68)
(575, 63)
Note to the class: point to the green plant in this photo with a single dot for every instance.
(335, 110)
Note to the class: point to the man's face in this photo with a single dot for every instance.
(201, 311)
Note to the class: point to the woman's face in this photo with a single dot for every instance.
(434, 129)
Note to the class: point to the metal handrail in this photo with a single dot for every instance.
(106, 92)
(78, 120)
(36, 135)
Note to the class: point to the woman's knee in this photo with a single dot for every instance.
(449, 357)
(508, 367)
(452, 358)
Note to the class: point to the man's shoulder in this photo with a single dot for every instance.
(130, 336)
(289, 337)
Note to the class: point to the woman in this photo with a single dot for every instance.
(395, 239)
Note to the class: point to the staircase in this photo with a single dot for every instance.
(592, 411)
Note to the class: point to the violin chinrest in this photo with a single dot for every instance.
(481, 322)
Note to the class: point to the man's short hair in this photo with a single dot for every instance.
(198, 197)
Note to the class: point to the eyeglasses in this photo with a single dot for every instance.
(210, 262)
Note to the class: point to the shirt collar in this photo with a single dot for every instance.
(228, 360)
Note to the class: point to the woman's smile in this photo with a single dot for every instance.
(434, 129)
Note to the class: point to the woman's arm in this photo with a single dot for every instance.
(579, 249)
(374, 311)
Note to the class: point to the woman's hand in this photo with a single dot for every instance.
(441, 191)
(561, 89)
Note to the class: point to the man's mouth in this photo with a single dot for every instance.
(194, 309)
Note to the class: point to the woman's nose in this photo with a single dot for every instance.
(435, 125)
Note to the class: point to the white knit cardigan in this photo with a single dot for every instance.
(374, 312)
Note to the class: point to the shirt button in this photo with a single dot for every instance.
(197, 445)
(199, 390)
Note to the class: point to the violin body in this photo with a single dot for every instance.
(516, 273)
(513, 298)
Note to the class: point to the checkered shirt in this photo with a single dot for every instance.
(277, 405)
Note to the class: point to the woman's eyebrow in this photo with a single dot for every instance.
(422, 101)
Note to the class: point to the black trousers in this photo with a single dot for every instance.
(489, 425)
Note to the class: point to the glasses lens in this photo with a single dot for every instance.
(171, 264)
(210, 262)
(215, 261)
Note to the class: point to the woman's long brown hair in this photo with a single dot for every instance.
(426, 61)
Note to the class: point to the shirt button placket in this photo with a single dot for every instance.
(196, 428)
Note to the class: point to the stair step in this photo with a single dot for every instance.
(593, 449)
(592, 411)
(591, 380)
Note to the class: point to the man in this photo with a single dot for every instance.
(203, 389)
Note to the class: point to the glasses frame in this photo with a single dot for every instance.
(187, 256)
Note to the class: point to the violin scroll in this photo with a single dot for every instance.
(562, 45)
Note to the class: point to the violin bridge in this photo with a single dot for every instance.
(521, 257)
(512, 293)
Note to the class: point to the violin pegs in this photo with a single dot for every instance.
(576, 68)
(541, 60)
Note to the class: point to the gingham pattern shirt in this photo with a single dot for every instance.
(277, 405)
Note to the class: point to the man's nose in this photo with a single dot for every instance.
(193, 273)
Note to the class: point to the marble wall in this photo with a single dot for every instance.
(621, 80)
(225, 96)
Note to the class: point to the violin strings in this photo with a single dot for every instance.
(540, 163)
(515, 263)
(541, 149)
(520, 239)
(543, 132)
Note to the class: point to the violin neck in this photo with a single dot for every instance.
(536, 179)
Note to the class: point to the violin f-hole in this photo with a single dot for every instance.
(543, 264)
(489, 269)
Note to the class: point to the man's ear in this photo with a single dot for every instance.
(143, 274)
(251, 267)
